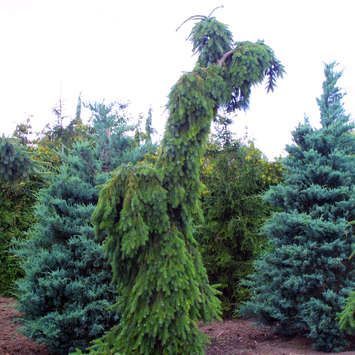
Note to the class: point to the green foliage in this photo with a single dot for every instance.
(235, 176)
(15, 163)
(66, 291)
(347, 315)
(111, 130)
(24, 165)
(147, 211)
(23, 131)
(149, 130)
(28, 159)
(210, 40)
(250, 64)
(302, 284)
(18, 184)
(109, 123)
(16, 216)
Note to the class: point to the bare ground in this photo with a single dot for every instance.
(11, 341)
(228, 338)
(244, 337)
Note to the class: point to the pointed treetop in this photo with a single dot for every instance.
(78, 108)
(330, 103)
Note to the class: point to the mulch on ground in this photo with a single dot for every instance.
(12, 342)
(244, 337)
(228, 338)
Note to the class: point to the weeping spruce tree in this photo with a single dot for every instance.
(301, 286)
(146, 210)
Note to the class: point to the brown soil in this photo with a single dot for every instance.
(244, 337)
(227, 338)
(11, 341)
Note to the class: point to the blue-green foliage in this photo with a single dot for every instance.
(15, 163)
(66, 292)
(303, 283)
(347, 316)
(111, 131)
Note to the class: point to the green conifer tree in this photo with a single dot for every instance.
(235, 175)
(301, 286)
(66, 292)
(149, 130)
(112, 134)
(18, 183)
(15, 162)
(147, 210)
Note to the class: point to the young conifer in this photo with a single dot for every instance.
(147, 210)
(66, 292)
(301, 286)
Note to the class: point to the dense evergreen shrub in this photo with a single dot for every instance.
(15, 163)
(18, 184)
(113, 132)
(235, 176)
(302, 285)
(66, 292)
(347, 315)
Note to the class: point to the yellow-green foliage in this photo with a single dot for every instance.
(347, 316)
(18, 185)
(146, 211)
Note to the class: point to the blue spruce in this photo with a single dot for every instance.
(301, 286)
(66, 292)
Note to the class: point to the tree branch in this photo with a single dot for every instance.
(225, 56)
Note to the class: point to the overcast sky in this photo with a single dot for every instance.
(129, 51)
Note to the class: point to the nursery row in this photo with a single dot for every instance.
(112, 243)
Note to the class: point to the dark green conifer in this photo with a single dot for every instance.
(15, 162)
(235, 175)
(111, 132)
(66, 292)
(18, 183)
(147, 210)
(301, 286)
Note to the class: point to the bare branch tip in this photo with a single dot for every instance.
(216, 8)
(194, 17)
